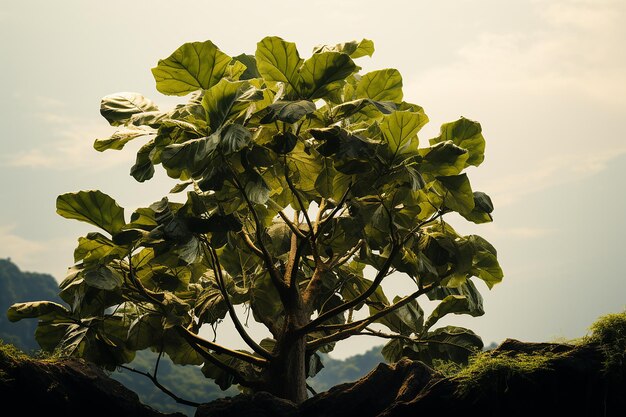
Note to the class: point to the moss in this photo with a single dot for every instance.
(487, 371)
(10, 352)
(609, 332)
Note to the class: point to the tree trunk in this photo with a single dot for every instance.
(287, 373)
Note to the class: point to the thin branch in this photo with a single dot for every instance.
(161, 387)
(291, 226)
(377, 333)
(356, 301)
(250, 244)
(280, 285)
(217, 270)
(195, 340)
(355, 327)
(340, 261)
(338, 207)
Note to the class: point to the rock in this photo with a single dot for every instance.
(515, 379)
(64, 387)
(261, 404)
(370, 395)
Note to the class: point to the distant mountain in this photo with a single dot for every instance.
(186, 381)
(17, 286)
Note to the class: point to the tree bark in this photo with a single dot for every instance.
(287, 372)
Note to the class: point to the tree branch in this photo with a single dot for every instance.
(349, 329)
(250, 244)
(160, 386)
(195, 340)
(356, 301)
(280, 285)
(217, 270)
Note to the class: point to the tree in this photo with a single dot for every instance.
(301, 176)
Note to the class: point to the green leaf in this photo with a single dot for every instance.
(118, 108)
(487, 268)
(323, 73)
(392, 351)
(219, 100)
(457, 192)
(264, 300)
(251, 69)
(481, 213)
(288, 111)
(256, 189)
(143, 169)
(283, 142)
(444, 158)
(381, 85)
(448, 343)
(456, 304)
(120, 138)
(96, 247)
(354, 49)
(43, 310)
(400, 131)
(145, 332)
(210, 305)
(466, 134)
(405, 320)
(103, 278)
(278, 60)
(235, 138)
(93, 207)
(190, 157)
(193, 66)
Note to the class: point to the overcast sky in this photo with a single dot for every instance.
(546, 79)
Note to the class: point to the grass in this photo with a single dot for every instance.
(487, 371)
(609, 332)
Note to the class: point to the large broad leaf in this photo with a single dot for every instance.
(400, 131)
(405, 320)
(118, 108)
(103, 278)
(444, 158)
(120, 138)
(487, 268)
(264, 300)
(381, 85)
(93, 207)
(324, 73)
(234, 138)
(456, 192)
(251, 69)
(355, 49)
(191, 156)
(466, 134)
(43, 310)
(143, 169)
(481, 213)
(219, 100)
(278, 60)
(288, 111)
(193, 66)
(452, 304)
(96, 247)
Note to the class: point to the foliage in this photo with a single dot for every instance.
(300, 174)
(609, 332)
(16, 285)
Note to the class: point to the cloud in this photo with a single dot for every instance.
(551, 96)
(50, 256)
(550, 172)
(71, 144)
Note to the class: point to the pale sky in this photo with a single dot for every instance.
(546, 79)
